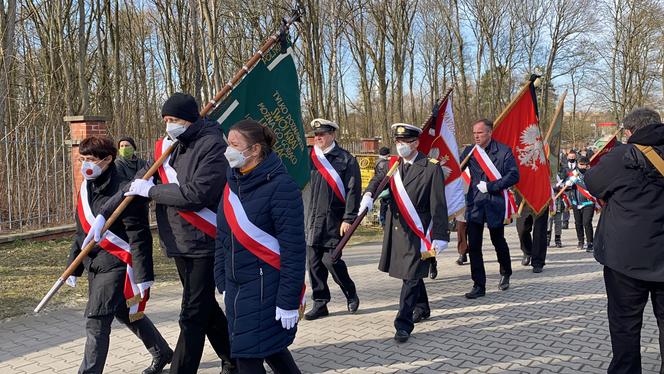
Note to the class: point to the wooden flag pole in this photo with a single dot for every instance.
(286, 23)
(561, 104)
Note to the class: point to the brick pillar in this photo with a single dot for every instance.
(82, 127)
(369, 145)
(310, 140)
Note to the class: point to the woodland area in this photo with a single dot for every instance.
(363, 63)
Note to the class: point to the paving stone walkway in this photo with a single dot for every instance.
(553, 322)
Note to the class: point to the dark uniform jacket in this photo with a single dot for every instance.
(201, 167)
(272, 202)
(630, 233)
(127, 168)
(106, 273)
(425, 184)
(325, 211)
(490, 207)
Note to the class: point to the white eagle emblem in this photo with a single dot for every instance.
(532, 153)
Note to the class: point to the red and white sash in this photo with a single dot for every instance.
(255, 240)
(409, 213)
(205, 219)
(119, 248)
(329, 174)
(493, 174)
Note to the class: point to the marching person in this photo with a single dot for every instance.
(556, 215)
(486, 203)
(583, 205)
(531, 228)
(334, 197)
(127, 163)
(416, 227)
(261, 253)
(119, 267)
(630, 234)
(187, 190)
(567, 170)
(382, 167)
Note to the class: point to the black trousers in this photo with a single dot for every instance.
(200, 315)
(320, 264)
(627, 298)
(413, 296)
(475, 232)
(280, 363)
(533, 245)
(583, 221)
(98, 331)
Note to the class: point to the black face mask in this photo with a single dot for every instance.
(572, 161)
(582, 171)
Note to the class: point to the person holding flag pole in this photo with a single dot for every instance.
(416, 228)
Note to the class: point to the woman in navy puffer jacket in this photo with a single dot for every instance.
(261, 301)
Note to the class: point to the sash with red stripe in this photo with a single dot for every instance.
(119, 248)
(409, 213)
(493, 174)
(587, 194)
(205, 219)
(255, 240)
(330, 175)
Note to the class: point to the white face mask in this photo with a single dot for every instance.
(404, 150)
(235, 157)
(175, 129)
(90, 170)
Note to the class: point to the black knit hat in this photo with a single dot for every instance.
(128, 139)
(181, 105)
(384, 151)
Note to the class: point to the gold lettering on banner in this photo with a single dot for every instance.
(282, 123)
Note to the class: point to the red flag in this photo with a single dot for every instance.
(604, 150)
(438, 141)
(519, 129)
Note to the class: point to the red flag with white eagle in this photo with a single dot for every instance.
(518, 128)
(438, 141)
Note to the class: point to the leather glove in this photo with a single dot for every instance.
(482, 187)
(439, 246)
(95, 231)
(140, 187)
(143, 288)
(71, 281)
(366, 203)
(288, 317)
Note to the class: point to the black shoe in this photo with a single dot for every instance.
(579, 245)
(476, 292)
(433, 269)
(462, 259)
(401, 336)
(537, 269)
(589, 247)
(525, 261)
(565, 226)
(419, 315)
(319, 310)
(504, 283)
(559, 244)
(158, 363)
(353, 304)
(228, 367)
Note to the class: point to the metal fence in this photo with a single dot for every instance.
(35, 178)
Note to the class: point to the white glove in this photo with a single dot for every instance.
(71, 281)
(288, 317)
(482, 187)
(143, 287)
(95, 231)
(439, 246)
(366, 203)
(570, 181)
(140, 187)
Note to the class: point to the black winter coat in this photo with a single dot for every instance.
(127, 169)
(490, 207)
(425, 184)
(201, 167)
(106, 273)
(325, 211)
(272, 202)
(630, 233)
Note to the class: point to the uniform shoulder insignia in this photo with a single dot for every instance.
(433, 161)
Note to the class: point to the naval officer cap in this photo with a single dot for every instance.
(322, 125)
(404, 130)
